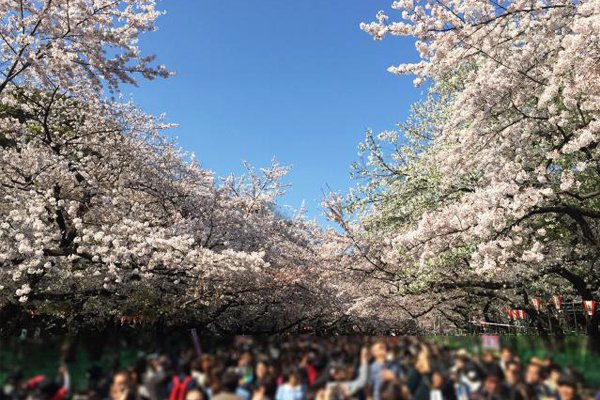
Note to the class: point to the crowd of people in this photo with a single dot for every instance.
(313, 368)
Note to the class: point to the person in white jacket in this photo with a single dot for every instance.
(348, 388)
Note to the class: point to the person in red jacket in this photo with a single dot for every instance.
(40, 387)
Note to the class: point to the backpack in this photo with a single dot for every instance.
(179, 388)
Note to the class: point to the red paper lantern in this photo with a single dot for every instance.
(589, 306)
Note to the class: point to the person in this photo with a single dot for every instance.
(64, 380)
(13, 387)
(153, 378)
(264, 385)
(533, 379)
(228, 387)
(554, 372)
(492, 389)
(120, 388)
(260, 393)
(380, 364)
(85, 395)
(261, 373)
(419, 378)
(394, 390)
(490, 366)
(181, 383)
(525, 392)
(512, 379)
(97, 381)
(213, 383)
(292, 388)
(441, 388)
(309, 368)
(331, 393)
(461, 389)
(466, 371)
(341, 377)
(567, 389)
(195, 394)
(42, 388)
(472, 377)
(244, 369)
(201, 369)
(512, 374)
(506, 356)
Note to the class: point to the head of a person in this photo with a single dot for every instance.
(214, 381)
(461, 359)
(293, 377)
(454, 376)
(437, 380)
(512, 374)
(260, 392)
(229, 381)
(206, 362)
(134, 376)
(533, 374)
(338, 371)
(184, 368)
(491, 383)
(261, 370)
(460, 363)
(554, 372)
(195, 365)
(44, 390)
(488, 357)
(506, 354)
(154, 361)
(194, 394)
(526, 392)
(379, 351)
(85, 395)
(567, 388)
(393, 390)
(335, 392)
(12, 383)
(120, 384)
(245, 359)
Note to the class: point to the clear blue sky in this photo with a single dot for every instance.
(297, 80)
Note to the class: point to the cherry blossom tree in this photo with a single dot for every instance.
(75, 45)
(503, 199)
(104, 220)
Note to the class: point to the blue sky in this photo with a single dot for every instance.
(295, 80)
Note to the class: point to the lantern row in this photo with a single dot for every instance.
(589, 307)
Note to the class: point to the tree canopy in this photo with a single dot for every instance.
(487, 196)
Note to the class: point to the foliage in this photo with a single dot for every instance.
(489, 193)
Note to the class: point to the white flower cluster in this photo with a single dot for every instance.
(493, 189)
(97, 204)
